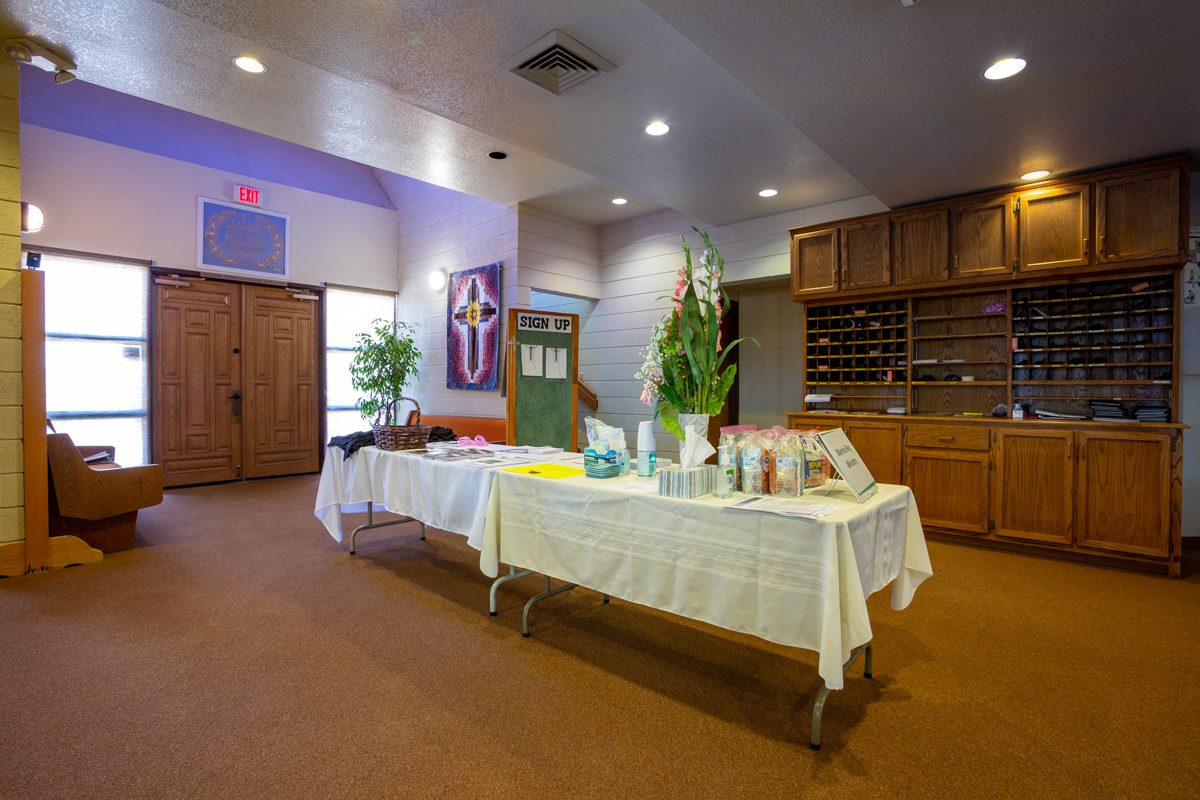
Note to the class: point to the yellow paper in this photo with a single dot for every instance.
(547, 470)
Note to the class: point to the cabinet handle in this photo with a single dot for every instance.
(945, 438)
(1100, 249)
(1083, 452)
(956, 267)
(1085, 247)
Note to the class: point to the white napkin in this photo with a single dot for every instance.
(695, 440)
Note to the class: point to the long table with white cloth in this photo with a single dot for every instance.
(801, 583)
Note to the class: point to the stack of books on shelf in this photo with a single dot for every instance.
(1107, 410)
(1152, 414)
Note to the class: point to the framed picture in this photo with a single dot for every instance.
(473, 328)
(241, 239)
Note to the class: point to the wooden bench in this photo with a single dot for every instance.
(494, 429)
(99, 503)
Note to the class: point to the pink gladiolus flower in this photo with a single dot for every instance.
(680, 288)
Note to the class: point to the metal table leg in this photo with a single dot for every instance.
(548, 593)
(371, 523)
(819, 705)
(512, 574)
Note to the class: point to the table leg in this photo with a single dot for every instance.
(512, 574)
(548, 593)
(819, 705)
(371, 523)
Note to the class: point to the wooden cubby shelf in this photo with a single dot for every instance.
(1129, 357)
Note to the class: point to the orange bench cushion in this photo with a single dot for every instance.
(494, 429)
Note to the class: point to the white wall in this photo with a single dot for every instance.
(444, 229)
(1189, 400)
(772, 381)
(557, 255)
(101, 198)
(639, 259)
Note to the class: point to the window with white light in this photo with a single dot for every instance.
(348, 312)
(97, 355)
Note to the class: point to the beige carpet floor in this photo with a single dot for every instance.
(239, 652)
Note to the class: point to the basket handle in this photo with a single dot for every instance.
(396, 410)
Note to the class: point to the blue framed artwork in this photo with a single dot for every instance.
(242, 239)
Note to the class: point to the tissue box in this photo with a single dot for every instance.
(686, 482)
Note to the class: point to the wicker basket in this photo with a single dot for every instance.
(401, 437)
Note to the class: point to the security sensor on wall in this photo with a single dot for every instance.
(42, 56)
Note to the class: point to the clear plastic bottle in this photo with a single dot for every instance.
(726, 466)
(752, 463)
(789, 455)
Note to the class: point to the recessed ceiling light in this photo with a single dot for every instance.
(619, 201)
(1036, 175)
(1004, 68)
(657, 128)
(768, 193)
(249, 64)
(499, 155)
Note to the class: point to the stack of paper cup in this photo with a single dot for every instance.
(645, 446)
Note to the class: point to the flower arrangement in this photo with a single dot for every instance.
(681, 373)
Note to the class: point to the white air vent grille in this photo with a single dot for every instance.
(557, 62)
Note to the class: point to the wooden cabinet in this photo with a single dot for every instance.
(1120, 220)
(814, 262)
(920, 247)
(1053, 228)
(866, 254)
(1124, 480)
(985, 238)
(1088, 490)
(1033, 484)
(931, 474)
(1137, 217)
(879, 444)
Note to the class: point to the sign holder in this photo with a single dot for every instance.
(847, 463)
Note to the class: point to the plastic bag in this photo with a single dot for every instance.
(789, 456)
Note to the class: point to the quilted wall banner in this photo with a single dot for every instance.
(473, 328)
(238, 239)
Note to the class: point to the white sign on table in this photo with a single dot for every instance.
(848, 463)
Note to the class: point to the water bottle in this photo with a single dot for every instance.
(726, 458)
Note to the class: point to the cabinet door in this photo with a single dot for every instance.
(1124, 484)
(879, 445)
(866, 254)
(985, 241)
(950, 487)
(814, 262)
(1034, 484)
(1137, 217)
(1053, 228)
(921, 247)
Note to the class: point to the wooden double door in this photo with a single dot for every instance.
(235, 383)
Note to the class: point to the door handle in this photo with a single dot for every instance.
(236, 405)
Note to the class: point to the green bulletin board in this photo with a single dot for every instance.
(542, 410)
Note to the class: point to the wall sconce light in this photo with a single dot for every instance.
(32, 218)
(31, 51)
(437, 279)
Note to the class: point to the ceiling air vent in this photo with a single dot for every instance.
(557, 62)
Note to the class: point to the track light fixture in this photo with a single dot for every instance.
(42, 56)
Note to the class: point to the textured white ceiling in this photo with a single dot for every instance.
(822, 99)
(894, 93)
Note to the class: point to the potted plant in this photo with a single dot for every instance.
(385, 359)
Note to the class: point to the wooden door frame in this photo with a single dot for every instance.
(195, 275)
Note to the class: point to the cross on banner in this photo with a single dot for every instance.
(474, 314)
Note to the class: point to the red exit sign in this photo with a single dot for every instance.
(244, 194)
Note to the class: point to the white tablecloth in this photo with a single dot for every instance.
(796, 582)
(450, 497)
